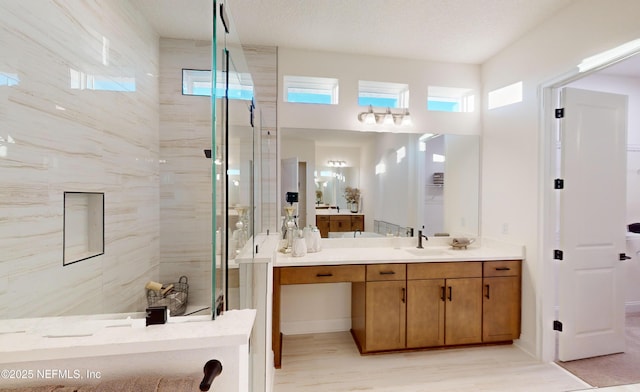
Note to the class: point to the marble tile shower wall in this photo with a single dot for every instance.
(185, 173)
(79, 111)
(263, 65)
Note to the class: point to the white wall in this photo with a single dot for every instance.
(397, 189)
(349, 69)
(511, 155)
(462, 190)
(55, 137)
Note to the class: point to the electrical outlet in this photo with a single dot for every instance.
(505, 228)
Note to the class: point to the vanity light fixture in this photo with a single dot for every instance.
(368, 117)
(385, 118)
(333, 163)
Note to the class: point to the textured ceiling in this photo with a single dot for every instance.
(466, 31)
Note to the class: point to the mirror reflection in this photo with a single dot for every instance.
(407, 181)
(331, 182)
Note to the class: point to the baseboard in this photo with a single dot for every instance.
(315, 326)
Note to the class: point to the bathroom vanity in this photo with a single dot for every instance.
(338, 222)
(403, 298)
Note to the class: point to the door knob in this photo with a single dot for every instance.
(624, 257)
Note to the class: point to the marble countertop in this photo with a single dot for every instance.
(399, 250)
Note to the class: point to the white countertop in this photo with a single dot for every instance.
(333, 211)
(25, 340)
(399, 250)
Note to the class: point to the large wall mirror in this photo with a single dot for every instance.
(413, 181)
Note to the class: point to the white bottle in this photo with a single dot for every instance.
(317, 239)
(299, 247)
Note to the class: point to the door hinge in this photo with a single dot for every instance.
(560, 113)
(557, 325)
(558, 254)
(558, 183)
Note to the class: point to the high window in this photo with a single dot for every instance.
(308, 89)
(450, 99)
(198, 82)
(383, 94)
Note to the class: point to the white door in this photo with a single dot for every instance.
(592, 224)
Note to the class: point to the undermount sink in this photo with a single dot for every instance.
(428, 251)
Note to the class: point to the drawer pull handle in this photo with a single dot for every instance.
(442, 290)
(387, 273)
(503, 269)
(324, 275)
(488, 288)
(404, 295)
(450, 293)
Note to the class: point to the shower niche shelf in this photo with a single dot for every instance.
(83, 226)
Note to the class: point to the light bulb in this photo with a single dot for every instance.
(406, 118)
(388, 118)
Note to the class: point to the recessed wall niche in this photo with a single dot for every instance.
(83, 226)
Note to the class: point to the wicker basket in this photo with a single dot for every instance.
(174, 299)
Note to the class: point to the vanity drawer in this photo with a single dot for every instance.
(322, 274)
(379, 272)
(502, 268)
(448, 270)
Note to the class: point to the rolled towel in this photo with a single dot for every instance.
(155, 286)
(461, 241)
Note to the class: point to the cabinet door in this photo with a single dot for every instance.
(385, 315)
(357, 222)
(501, 309)
(425, 313)
(339, 223)
(323, 225)
(463, 311)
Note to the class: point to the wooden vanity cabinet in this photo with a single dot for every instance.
(501, 301)
(357, 222)
(379, 308)
(425, 313)
(339, 223)
(444, 304)
(322, 223)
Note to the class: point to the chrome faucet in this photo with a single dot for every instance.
(420, 236)
(357, 231)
